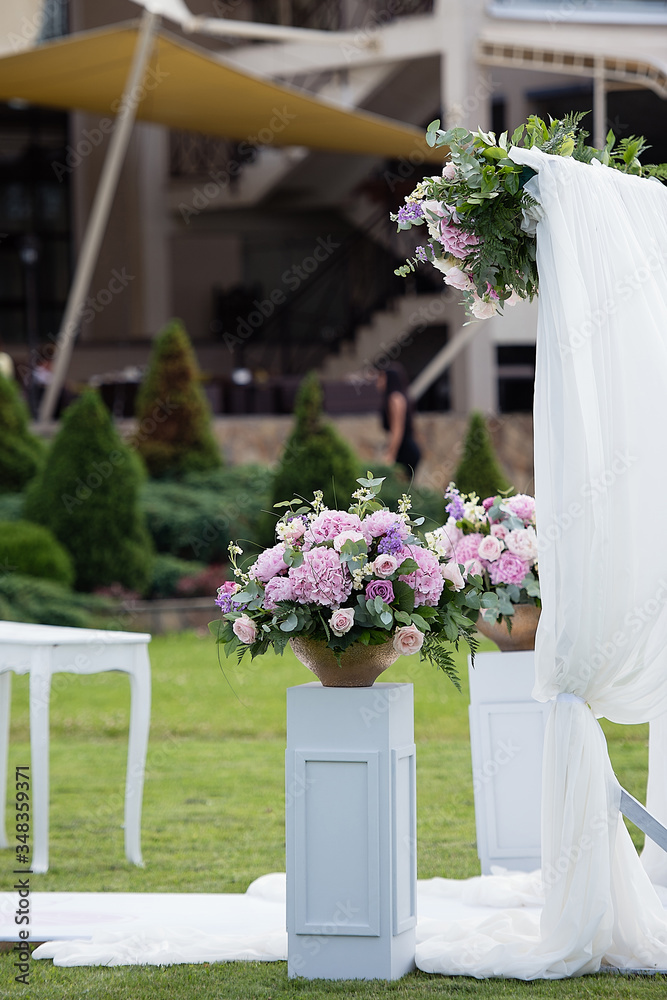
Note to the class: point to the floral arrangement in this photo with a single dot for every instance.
(478, 214)
(492, 543)
(366, 575)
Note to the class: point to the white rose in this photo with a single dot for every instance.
(522, 543)
(408, 639)
(450, 571)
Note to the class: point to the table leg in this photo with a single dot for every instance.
(40, 692)
(140, 714)
(5, 701)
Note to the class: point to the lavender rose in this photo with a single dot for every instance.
(408, 639)
(245, 629)
(341, 621)
(382, 589)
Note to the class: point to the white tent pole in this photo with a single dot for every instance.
(443, 360)
(99, 214)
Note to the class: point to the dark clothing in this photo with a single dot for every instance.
(409, 453)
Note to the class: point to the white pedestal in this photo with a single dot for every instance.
(351, 832)
(506, 739)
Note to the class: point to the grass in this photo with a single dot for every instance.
(213, 816)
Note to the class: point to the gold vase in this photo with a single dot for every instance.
(524, 627)
(360, 666)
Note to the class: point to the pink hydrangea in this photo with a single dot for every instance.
(426, 581)
(468, 547)
(456, 241)
(321, 579)
(508, 569)
(268, 563)
(277, 589)
(522, 506)
(381, 521)
(328, 524)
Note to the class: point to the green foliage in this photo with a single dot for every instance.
(168, 571)
(196, 518)
(21, 453)
(315, 457)
(11, 506)
(46, 602)
(31, 550)
(478, 471)
(174, 433)
(88, 495)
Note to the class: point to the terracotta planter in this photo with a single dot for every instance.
(360, 666)
(524, 627)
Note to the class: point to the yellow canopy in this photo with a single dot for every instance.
(187, 87)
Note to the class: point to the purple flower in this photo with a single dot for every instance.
(455, 508)
(409, 212)
(380, 588)
(391, 542)
(225, 598)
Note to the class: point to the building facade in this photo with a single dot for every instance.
(280, 260)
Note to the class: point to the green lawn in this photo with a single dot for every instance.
(213, 813)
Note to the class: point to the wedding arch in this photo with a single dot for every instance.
(600, 418)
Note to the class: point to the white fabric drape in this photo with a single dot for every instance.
(600, 426)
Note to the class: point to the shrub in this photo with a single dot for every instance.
(21, 453)
(479, 471)
(196, 518)
(45, 602)
(11, 506)
(174, 434)
(315, 457)
(31, 550)
(168, 571)
(88, 495)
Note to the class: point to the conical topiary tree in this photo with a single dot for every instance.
(88, 495)
(21, 453)
(315, 457)
(478, 471)
(173, 416)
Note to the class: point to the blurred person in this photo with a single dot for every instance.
(397, 412)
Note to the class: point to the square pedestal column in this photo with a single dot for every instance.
(351, 833)
(506, 738)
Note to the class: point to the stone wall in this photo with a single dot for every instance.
(260, 439)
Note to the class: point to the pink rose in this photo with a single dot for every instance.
(245, 629)
(347, 536)
(341, 621)
(523, 543)
(449, 171)
(488, 503)
(499, 531)
(490, 548)
(277, 589)
(385, 565)
(408, 639)
(451, 572)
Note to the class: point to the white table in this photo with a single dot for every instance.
(44, 650)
